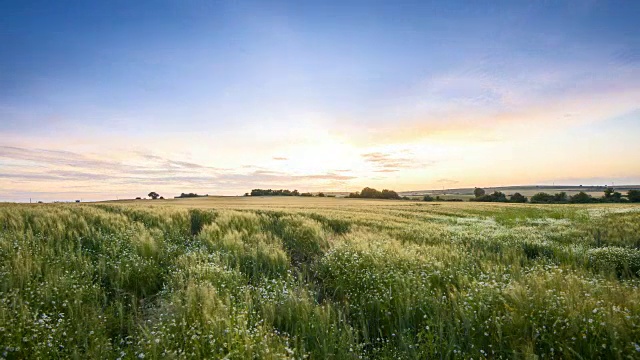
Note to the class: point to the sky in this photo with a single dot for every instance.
(114, 99)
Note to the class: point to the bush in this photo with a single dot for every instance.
(370, 193)
(545, 198)
(190, 195)
(633, 195)
(518, 198)
(542, 198)
(581, 198)
(497, 196)
(269, 192)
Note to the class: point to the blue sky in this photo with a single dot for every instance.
(221, 97)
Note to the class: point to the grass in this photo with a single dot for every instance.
(277, 278)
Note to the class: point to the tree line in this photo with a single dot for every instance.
(270, 192)
(610, 196)
(190, 195)
(370, 193)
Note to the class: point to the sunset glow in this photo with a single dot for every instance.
(105, 100)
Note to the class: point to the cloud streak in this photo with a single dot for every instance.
(388, 162)
(41, 169)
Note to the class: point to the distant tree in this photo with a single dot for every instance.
(246, 194)
(138, 198)
(306, 194)
(542, 198)
(161, 197)
(427, 198)
(560, 197)
(190, 195)
(608, 193)
(269, 192)
(478, 192)
(616, 197)
(497, 196)
(369, 193)
(633, 195)
(581, 198)
(389, 194)
(518, 198)
(154, 195)
(321, 194)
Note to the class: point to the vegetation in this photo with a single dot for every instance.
(190, 195)
(153, 195)
(269, 280)
(518, 198)
(478, 192)
(369, 193)
(269, 192)
(544, 198)
(497, 196)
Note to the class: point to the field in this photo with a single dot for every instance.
(276, 278)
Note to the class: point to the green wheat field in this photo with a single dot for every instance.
(283, 278)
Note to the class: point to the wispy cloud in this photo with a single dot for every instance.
(279, 158)
(387, 162)
(447, 181)
(386, 170)
(70, 173)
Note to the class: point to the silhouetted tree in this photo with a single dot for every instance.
(633, 195)
(389, 194)
(478, 192)
(154, 195)
(321, 194)
(497, 196)
(608, 193)
(542, 198)
(427, 198)
(269, 192)
(581, 198)
(560, 197)
(370, 193)
(518, 198)
(616, 197)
